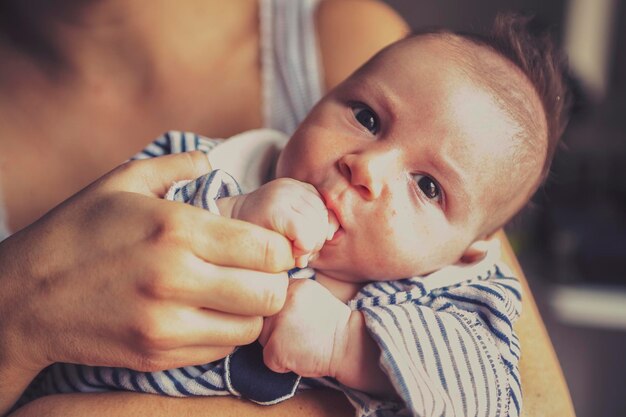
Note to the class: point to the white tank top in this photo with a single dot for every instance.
(291, 70)
(290, 62)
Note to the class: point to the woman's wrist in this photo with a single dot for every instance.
(14, 379)
(19, 364)
(22, 279)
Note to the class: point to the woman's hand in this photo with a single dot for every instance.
(115, 276)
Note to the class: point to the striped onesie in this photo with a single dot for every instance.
(446, 339)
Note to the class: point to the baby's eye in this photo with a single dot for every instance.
(428, 186)
(366, 117)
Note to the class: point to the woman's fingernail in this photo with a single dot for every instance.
(302, 261)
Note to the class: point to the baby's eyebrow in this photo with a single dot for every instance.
(384, 98)
(387, 100)
(449, 177)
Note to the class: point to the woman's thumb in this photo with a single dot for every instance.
(156, 175)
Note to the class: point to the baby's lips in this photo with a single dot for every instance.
(333, 225)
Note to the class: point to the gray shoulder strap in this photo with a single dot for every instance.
(292, 79)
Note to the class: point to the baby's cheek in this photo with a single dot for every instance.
(403, 247)
(389, 253)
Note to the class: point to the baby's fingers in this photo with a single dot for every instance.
(308, 237)
(333, 225)
(302, 256)
(304, 226)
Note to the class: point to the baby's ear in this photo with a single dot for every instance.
(475, 252)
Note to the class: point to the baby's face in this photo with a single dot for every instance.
(412, 158)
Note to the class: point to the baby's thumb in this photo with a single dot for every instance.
(333, 225)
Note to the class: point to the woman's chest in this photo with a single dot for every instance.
(47, 156)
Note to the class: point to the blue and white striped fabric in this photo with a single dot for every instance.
(447, 341)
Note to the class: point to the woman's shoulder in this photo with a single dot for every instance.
(351, 31)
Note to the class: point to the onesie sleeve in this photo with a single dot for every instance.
(202, 191)
(448, 351)
(174, 141)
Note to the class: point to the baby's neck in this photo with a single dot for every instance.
(345, 291)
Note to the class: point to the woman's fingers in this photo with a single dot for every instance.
(192, 355)
(178, 326)
(235, 243)
(186, 326)
(196, 283)
(178, 335)
(238, 291)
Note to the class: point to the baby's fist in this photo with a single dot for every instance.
(293, 208)
(309, 335)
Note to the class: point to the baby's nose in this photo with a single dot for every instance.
(367, 172)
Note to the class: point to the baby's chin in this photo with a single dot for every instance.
(346, 273)
(336, 271)
(332, 261)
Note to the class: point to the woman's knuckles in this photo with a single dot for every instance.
(158, 284)
(275, 252)
(163, 274)
(169, 228)
(152, 337)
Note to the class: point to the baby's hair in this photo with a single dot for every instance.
(532, 49)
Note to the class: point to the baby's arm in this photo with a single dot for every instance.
(449, 350)
(360, 364)
(292, 208)
(317, 335)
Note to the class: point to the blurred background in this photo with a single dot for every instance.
(571, 241)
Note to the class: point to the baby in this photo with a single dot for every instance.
(389, 190)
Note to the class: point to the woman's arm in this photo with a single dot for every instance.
(129, 404)
(352, 31)
(545, 390)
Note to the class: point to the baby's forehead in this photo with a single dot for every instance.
(485, 67)
(494, 75)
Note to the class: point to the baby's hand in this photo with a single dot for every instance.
(309, 335)
(292, 208)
